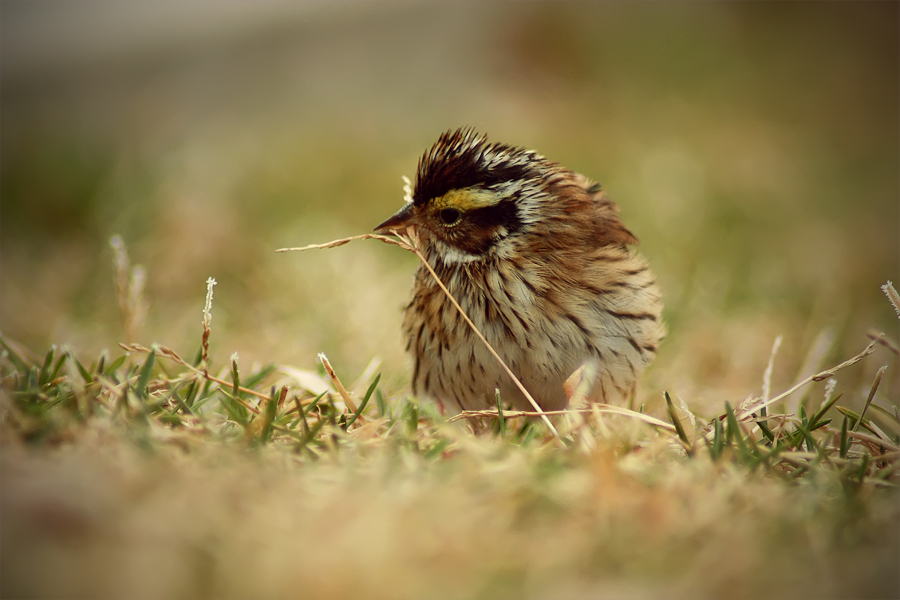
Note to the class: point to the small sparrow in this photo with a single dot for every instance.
(539, 260)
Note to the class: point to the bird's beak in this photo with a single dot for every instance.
(399, 221)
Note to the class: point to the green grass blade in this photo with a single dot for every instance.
(524, 433)
(301, 418)
(412, 423)
(258, 377)
(313, 432)
(501, 420)
(436, 450)
(313, 404)
(804, 430)
(271, 410)
(203, 394)
(115, 365)
(231, 407)
(764, 427)
(84, 372)
(670, 406)
(146, 372)
(382, 407)
(736, 433)
(235, 378)
(863, 469)
(872, 391)
(182, 405)
(236, 406)
(845, 439)
(855, 420)
(365, 400)
(191, 394)
(44, 374)
(718, 443)
(814, 421)
(59, 365)
(98, 366)
(18, 362)
(820, 424)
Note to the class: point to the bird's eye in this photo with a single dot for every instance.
(450, 216)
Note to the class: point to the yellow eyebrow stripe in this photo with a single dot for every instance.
(466, 199)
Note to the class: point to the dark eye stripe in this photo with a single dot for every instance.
(476, 233)
(503, 214)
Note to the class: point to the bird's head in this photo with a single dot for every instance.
(472, 198)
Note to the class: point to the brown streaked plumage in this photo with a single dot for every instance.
(538, 258)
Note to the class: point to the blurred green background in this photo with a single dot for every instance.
(753, 147)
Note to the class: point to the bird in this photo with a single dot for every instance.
(538, 258)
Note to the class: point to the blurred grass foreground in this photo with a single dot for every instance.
(154, 447)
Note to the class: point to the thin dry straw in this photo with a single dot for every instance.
(871, 396)
(337, 383)
(893, 296)
(745, 414)
(596, 407)
(207, 320)
(341, 242)
(767, 375)
(879, 337)
(130, 283)
(122, 266)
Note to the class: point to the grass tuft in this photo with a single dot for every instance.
(626, 495)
